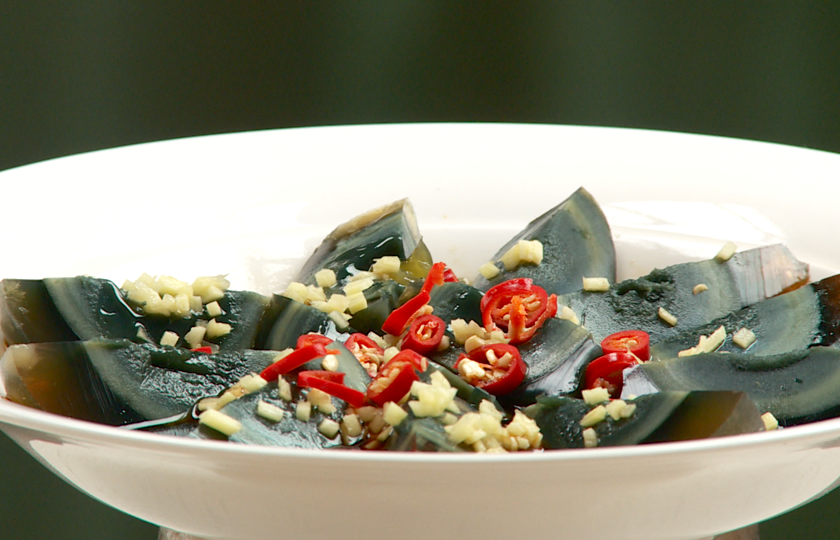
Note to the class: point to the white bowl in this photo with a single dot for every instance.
(252, 205)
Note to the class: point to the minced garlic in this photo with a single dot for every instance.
(329, 363)
(666, 316)
(143, 335)
(329, 428)
(432, 399)
(474, 342)
(378, 340)
(251, 383)
(321, 401)
(483, 431)
(356, 302)
(325, 278)
(523, 252)
(336, 302)
(219, 421)
(305, 294)
(341, 320)
(568, 314)
(467, 429)
(595, 396)
(210, 288)
(269, 411)
(357, 286)
(448, 419)
(706, 344)
(351, 425)
(770, 422)
(284, 389)
(462, 330)
(216, 329)
(489, 270)
(214, 309)
(389, 353)
(362, 275)
(169, 338)
(169, 285)
(303, 411)
(393, 414)
(726, 252)
(596, 284)
(163, 295)
(154, 303)
(590, 438)
(743, 338)
(593, 417)
(618, 409)
(470, 370)
(525, 431)
(227, 397)
(195, 336)
(386, 266)
(208, 403)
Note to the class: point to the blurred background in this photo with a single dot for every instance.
(82, 75)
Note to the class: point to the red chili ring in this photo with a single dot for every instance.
(424, 334)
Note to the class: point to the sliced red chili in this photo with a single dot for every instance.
(520, 330)
(434, 277)
(424, 334)
(449, 276)
(305, 376)
(310, 339)
(331, 382)
(607, 371)
(495, 304)
(401, 317)
(635, 342)
(393, 381)
(438, 274)
(358, 340)
(293, 360)
(205, 350)
(504, 369)
(518, 307)
(419, 361)
(366, 351)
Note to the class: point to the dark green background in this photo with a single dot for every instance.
(77, 76)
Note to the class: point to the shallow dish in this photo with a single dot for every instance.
(252, 205)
